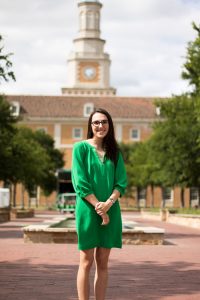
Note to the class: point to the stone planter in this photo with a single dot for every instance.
(4, 214)
(22, 213)
(164, 214)
(131, 235)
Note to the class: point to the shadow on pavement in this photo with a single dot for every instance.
(127, 281)
(151, 281)
(11, 234)
(25, 281)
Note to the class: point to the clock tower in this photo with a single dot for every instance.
(88, 65)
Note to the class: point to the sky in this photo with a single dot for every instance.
(146, 40)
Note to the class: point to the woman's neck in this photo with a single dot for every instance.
(98, 143)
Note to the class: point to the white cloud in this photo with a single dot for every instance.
(146, 40)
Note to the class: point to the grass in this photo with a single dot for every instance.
(191, 211)
(129, 208)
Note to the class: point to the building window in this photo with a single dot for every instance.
(135, 134)
(194, 197)
(97, 21)
(88, 109)
(77, 133)
(142, 194)
(168, 196)
(158, 111)
(90, 20)
(33, 192)
(15, 108)
(142, 197)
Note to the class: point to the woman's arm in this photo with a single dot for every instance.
(103, 207)
(120, 183)
(92, 199)
(80, 181)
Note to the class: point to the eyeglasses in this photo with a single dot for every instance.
(97, 123)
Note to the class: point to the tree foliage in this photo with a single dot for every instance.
(5, 64)
(7, 132)
(37, 159)
(171, 157)
(191, 70)
(48, 184)
(26, 157)
(127, 150)
(175, 142)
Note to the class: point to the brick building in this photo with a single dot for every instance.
(65, 117)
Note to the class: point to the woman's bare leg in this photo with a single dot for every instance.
(101, 275)
(86, 260)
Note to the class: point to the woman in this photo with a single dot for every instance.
(99, 179)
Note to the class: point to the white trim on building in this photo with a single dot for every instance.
(118, 132)
(57, 135)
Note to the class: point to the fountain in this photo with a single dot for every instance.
(62, 230)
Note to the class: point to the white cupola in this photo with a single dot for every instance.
(88, 66)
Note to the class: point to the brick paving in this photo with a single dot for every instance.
(48, 271)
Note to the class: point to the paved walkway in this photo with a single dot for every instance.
(48, 271)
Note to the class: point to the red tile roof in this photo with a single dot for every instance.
(66, 106)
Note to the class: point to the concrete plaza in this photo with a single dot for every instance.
(48, 271)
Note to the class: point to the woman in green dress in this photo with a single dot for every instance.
(99, 179)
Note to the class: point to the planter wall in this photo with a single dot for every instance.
(4, 215)
(20, 213)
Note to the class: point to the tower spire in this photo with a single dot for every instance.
(88, 65)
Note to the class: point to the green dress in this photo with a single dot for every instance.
(90, 175)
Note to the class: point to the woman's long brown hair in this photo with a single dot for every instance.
(109, 142)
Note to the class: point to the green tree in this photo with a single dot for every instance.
(144, 170)
(32, 161)
(28, 161)
(175, 143)
(5, 64)
(43, 173)
(25, 157)
(7, 132)
(191, 70)
(138, 167)
(127, 150)
(49, 182)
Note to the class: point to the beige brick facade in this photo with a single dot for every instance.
(64, 119)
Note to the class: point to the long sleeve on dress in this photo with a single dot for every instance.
(120, 176)
(79, 174)
(92, 176)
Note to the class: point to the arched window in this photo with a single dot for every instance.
(82, 21)
(97, 20)
(90, 20)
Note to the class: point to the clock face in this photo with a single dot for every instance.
(89, 72)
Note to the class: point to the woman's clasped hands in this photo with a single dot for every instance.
(101, 209)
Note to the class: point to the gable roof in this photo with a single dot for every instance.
(66, 106)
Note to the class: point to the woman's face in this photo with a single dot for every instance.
(100, 125)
